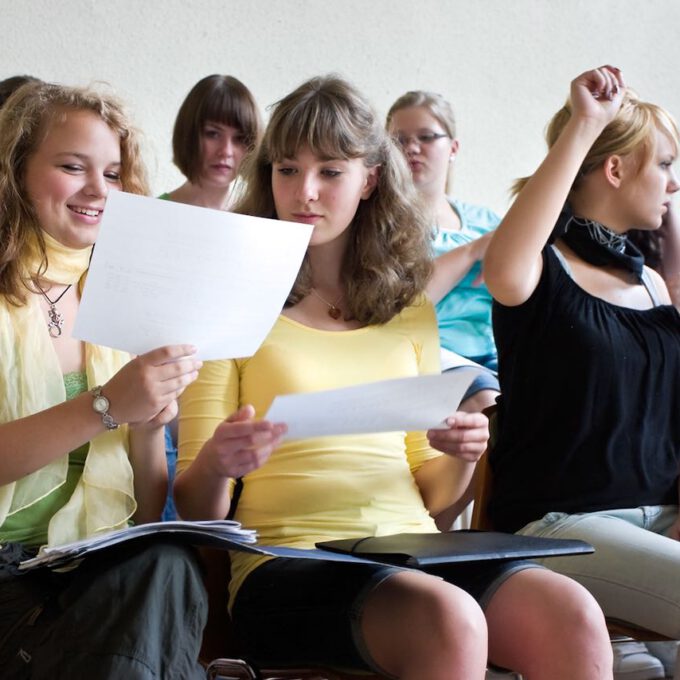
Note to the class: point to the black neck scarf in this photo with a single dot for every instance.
(596, 244)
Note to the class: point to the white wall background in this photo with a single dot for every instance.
(504, 64)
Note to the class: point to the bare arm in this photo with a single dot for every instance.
(450, 268)
(31, 443)
(137, 393)
(443, 480)
(513, 263)
(150, 465)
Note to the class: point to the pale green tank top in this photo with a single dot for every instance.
(29, 526)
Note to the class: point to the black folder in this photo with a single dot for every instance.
(468, 545)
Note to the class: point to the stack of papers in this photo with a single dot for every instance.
(225, 533)
(406, 550)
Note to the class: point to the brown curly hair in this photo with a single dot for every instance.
(388, 259)
(24, 122)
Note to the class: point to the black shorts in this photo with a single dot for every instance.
(303, 612)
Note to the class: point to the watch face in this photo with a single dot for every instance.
(100, 404)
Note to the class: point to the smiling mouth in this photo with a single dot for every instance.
(90, 212)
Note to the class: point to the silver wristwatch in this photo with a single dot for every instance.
(101, 405)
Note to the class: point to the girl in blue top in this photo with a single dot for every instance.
(424, 125)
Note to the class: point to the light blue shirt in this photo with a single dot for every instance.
(464, 314)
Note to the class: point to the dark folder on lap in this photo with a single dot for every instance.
(423, 550)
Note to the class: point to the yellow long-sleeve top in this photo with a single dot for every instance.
(328, 487)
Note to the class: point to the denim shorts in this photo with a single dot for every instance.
(299, 612)
(484, 381)
(634, 572)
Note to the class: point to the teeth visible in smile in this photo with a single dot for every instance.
(86, 211)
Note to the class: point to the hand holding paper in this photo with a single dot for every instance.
(466, 436)
(241, 444)
(144, 391)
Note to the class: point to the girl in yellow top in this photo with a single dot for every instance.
(81, 426)
(357, 313)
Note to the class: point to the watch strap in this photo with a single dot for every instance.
(107, 418)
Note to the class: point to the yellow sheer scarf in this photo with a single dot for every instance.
(31, 381)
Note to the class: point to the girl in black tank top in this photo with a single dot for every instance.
(589, 348)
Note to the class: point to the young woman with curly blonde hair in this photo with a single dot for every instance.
(81, 426)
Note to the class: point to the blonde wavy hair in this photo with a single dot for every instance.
(388, 259)
(630, 131)
(438, 107)
(24, 122)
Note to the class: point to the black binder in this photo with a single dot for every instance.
(423, 550)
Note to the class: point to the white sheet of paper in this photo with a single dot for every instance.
(451, 360)
(164, 273)
(415, 403)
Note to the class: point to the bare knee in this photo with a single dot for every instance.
(576, 610)
(579, 629)
(416, 621)
(540, 621)
(583, 611)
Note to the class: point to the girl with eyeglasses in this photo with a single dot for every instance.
(424, 126)
(356, 314)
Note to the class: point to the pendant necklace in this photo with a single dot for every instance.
(333, 310)
(56, 323)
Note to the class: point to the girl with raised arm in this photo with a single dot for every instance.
(588, 430)
(81, 426)
(357, 314)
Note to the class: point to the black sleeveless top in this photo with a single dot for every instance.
(589, 412)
